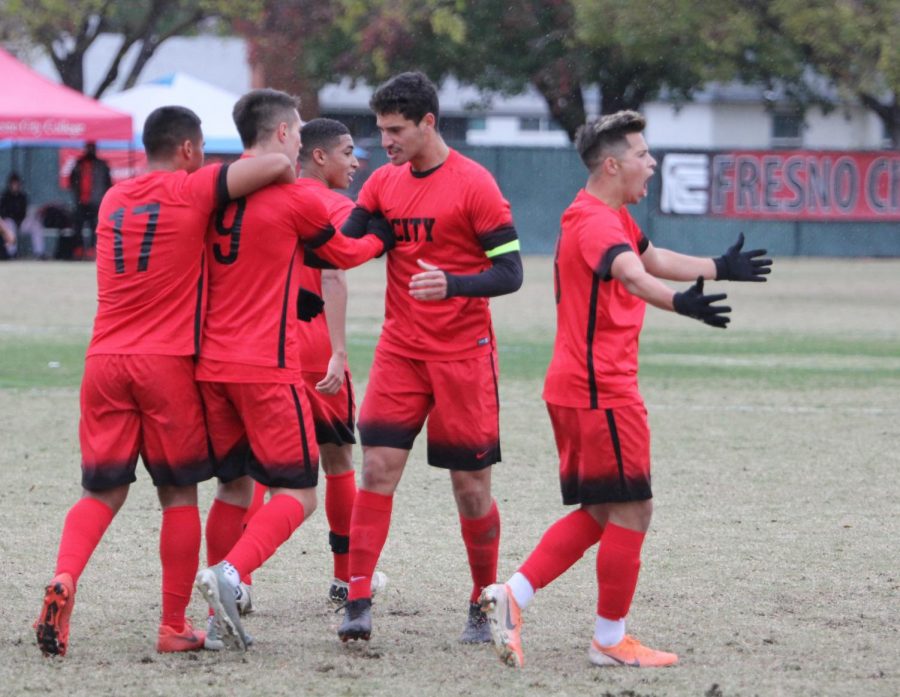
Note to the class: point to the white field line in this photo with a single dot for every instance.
(814, 362)
(775, 409)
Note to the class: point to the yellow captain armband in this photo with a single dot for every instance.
(503, 249)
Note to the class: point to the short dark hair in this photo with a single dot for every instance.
(168, 127)
(258, 113)
(596, 139)
(320, 133)
(412, 95)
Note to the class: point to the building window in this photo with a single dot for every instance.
(477, 124)
(787, 128)
(529, 123)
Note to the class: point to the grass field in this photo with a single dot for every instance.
(771, 567)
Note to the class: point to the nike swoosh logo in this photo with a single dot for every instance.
(481, 455)
(510, 625)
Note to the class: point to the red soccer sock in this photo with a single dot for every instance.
(272, 525)
(340, 491)
(369, 527)
(618, 564)
(482, 539)
(259, 498)
(224, 526)
(85, 524)
(563, 544)
(179, 552)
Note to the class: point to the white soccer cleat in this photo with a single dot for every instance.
(338, 591)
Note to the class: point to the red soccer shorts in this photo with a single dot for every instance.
(459, 399)
(604, 454)
(264, 430)
(133, 404)
(333, 414)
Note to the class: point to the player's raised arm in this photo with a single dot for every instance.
(248, 174)
(734, 265)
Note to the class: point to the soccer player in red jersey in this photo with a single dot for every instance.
(606, 272)
(436, 358)
(257, 411)
(138, 394)
(327, 163)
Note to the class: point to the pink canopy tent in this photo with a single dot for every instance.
(35, 109)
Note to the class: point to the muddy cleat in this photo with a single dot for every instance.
(629, 652)
(219, 593)
(339, 589)
(213, 642)
(169, 640)
(505, 621)
(357, 622)
(52, 626)
(477, 629)
(244, 599)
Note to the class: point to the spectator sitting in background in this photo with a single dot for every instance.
(13, 206)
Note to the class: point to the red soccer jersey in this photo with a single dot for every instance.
(255, 255)
(448, 217)
(315, 342)
(595, 356)
(149, 262)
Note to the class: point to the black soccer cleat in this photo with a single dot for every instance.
(477, 629)
(357, 622)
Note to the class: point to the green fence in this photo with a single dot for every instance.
(541, 182)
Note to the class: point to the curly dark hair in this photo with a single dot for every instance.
(412, 95)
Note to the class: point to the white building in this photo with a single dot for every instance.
(729, 116)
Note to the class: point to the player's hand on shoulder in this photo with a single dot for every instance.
(430, 284)
(693, 303)
(736, 265)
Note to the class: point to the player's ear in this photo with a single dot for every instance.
(429, 120)
(610, 165)
(187, 149)
(319, 156)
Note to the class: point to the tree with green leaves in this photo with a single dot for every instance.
(66, 29)
(852, 43)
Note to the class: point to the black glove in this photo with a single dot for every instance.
(692, 303)
(735, 265)
(309, 305)
(379, 226)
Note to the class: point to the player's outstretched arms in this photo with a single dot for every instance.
(251, 173)
(735, 265)
(628, 269)
(693, 303)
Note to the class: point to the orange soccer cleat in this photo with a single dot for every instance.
(629, 652)
(52, 627)
(171, 641)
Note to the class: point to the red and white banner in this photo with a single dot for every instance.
(783, 185)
